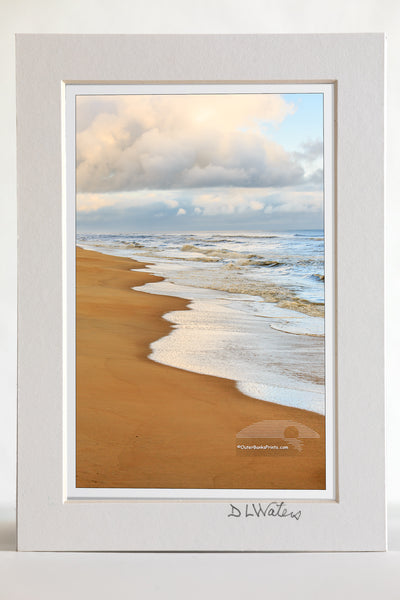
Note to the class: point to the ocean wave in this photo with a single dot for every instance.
(280, 296)
(228, 237)
(130, 245)
(205, 259)
(313, 309)
(305, 262)
(237, 283)
(155, 252)
(210, 258)
(299, 328)
(218, 252)
(190, 248)
(278, 272)
(268, 263)
(100, 245)
(240, 259)
(259, 263)
(238, 238)
(113, 246)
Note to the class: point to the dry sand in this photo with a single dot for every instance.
(143, 424)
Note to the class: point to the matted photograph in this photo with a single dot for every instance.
(200, 357)
(203, 289)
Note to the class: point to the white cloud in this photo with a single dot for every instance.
(226, 202)
(170, 202)
(208, 203)
(295, 202)
(86, 202)
(93, 202)
(256, 205)
(221, 208)
(164, 142)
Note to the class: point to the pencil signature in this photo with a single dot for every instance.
(273, 509)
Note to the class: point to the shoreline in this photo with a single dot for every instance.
(145, 424)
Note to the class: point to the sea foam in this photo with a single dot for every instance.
(224, 335)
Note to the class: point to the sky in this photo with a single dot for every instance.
(199, 162)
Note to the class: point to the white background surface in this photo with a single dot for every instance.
(183, 576)
(200, 576)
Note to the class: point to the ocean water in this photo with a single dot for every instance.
(256, 304)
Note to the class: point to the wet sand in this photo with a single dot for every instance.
(141, 424)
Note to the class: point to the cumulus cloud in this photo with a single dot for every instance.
(310, 150)
(216, 203)
(226, 202)
(127, 143)
(144, 162)
(93, 202)
(211, 209)
(310, 157)
(294, 202)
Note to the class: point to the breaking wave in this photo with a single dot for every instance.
(284, 268)
(217, 252)
(270, 293)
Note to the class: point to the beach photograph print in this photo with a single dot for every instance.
(200, 291)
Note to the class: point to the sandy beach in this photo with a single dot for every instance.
(143, 424)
